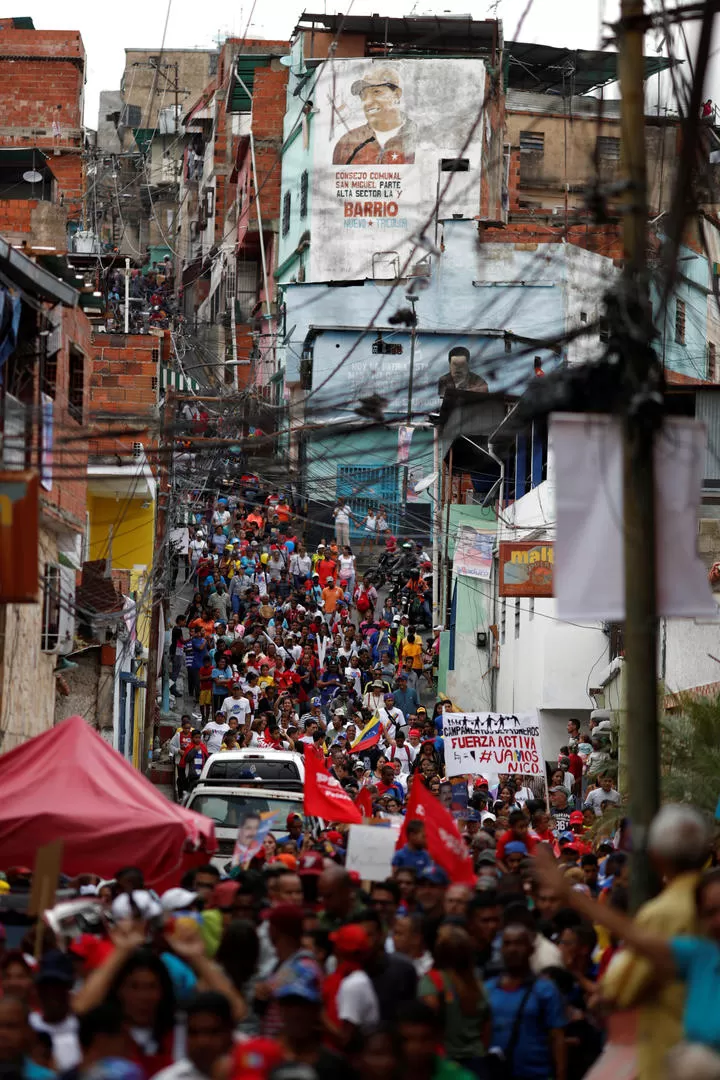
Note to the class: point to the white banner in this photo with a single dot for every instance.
(485, 744)
(589, 570)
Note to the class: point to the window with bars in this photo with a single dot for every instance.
(532, 156)
(517, 617)
(370, 485)
(532, 142)
(712, 372)
(503, 620)
(304, 181)
(608, 148)
(76, 384)
(286, 207)
(679, 322)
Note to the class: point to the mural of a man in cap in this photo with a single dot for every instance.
(388, 137)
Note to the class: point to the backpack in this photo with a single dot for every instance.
(363, 601)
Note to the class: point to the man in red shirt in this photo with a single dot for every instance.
(325, 569)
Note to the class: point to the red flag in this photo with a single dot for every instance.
(325, 796)
(445, 845)
(363, 801)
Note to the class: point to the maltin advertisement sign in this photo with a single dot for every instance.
(526, 568)
(386, 133)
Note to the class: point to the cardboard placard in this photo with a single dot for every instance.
(370, 851)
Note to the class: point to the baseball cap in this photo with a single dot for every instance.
(351, 940)
(177, 899)
(144, 905)
(311, 862)
(433, 875)
(378, 682)
(56, 966)
(486, 858)
(479, 781)
(420, 708)
(576, 818)
(292, 816)
(223, 894)
(316, 701)
(566, 837)
(559, 787)
(300, 980)
(516, 847)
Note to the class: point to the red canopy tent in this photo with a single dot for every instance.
(68, 784)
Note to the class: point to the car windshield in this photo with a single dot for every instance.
(264, 769)
(229, 811)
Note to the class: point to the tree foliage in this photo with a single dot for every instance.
(690, 749)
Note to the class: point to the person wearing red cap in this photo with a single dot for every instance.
(294, 825)
(351, 1004)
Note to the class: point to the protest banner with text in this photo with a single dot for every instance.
(490, 743)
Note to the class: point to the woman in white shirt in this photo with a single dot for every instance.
(369, 530)
(346, 571)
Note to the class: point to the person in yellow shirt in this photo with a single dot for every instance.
(679, 844)
(413, 648)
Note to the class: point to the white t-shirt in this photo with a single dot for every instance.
(65, 1042)
(239, 707)
(357, 1002)
(213, 734)
(342, 515)
(221, 517)
(385, 136)
(347, 567)
(405, 754)
(196, 549)
(370, 523)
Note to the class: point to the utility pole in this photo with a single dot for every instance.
(127, 295)
(631, 316)
(157, 585)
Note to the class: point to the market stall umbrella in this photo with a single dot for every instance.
(68, 784)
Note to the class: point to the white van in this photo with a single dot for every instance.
(283, 770)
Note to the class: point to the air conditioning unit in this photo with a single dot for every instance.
(58, 627)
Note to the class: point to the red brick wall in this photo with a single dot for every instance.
(122, 390)
(41, 81)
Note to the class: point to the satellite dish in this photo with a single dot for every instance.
(32, 176)
(286, 61)
(425, 483)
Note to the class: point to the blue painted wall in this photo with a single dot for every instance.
(692, 288)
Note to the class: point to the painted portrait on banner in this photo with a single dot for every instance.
(385, 136)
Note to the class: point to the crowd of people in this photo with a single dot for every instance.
(152, 297)
(287, 964)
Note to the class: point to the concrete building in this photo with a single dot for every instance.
(230, 209)
(42, 77)
(456, 223)
(140, 148)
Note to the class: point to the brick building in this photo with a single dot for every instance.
(230, 208)
(42, 75)
(43, 413)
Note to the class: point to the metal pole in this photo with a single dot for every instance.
(436, 528)
(157, 591)
(413, 301)
(127, 295)
(633, 325)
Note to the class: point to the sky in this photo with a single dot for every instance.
(108, 31)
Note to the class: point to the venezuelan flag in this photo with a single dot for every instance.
(369, 736)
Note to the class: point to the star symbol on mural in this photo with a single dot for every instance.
(394, 157)
(371, 223)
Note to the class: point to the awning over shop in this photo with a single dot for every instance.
(175, 380)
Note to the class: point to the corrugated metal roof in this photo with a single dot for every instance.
(546, 69)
